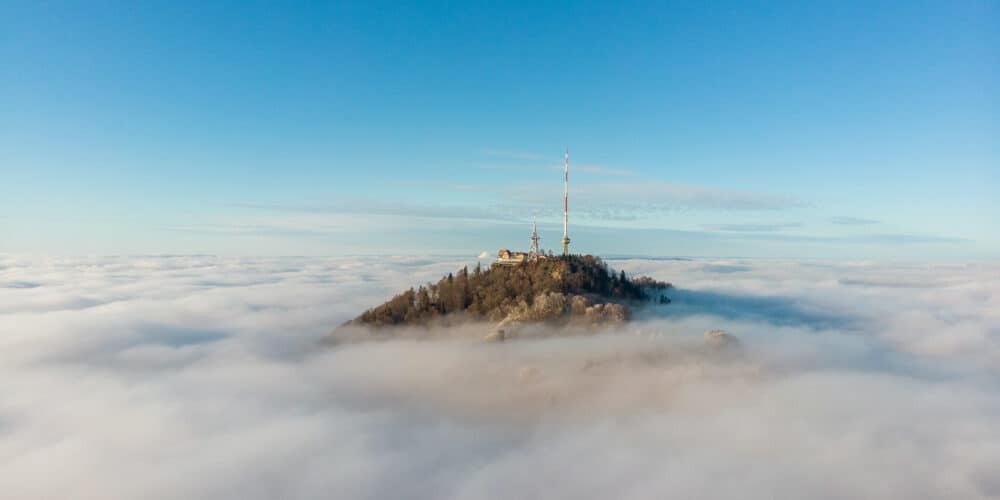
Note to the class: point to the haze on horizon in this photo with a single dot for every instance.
(854, 130)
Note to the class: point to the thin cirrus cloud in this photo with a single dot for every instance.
(612, 227)
(512, 155)
(640, 198)
(199, 376)
(614, 201)
(844, 220)
(764, 233)
(370, 208)
(904, 238)
(590, 169)
(290, 228)
(669, 196)
(752, 227)
(594, 170)
(654, 196)
(633, 209)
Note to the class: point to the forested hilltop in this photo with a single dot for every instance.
(547, 289)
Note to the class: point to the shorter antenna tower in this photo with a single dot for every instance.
(533, 250)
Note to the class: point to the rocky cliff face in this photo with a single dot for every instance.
(555, 308)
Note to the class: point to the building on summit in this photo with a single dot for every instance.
(507, 258)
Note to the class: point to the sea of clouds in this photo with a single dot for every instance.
(203, 377)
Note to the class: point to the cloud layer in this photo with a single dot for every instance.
(195, 377)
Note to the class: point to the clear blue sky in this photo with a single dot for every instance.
(786, 129)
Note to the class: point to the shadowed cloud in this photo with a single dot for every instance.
(774, 310)
(851, 221)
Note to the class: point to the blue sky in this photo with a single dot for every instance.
(859, 130)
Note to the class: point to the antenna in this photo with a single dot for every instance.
(533, 251)
(565, 238)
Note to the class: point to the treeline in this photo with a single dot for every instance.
(494, 292)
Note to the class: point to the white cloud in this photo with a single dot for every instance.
(592, 169)
(750, 227)
(851, 221)
(194, 377)
(669, 196)
(649, 198)
(602, 201)
(513, 155)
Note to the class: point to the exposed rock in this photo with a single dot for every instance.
(719, 339)
(617, 313)
(548, 306)
(579, 305)
(498, 335)
(607, 313)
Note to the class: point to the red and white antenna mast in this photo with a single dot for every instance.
(565, 238)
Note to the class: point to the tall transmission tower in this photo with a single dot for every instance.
(565, 238)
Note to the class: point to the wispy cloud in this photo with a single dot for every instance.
(765, 232)
(639, 224)
(237, 229)
(670, 197)
(589, 169)
(641, 199)
(903, 238)
(851, 221)
(513, 155)
(470, 187)
(370, 207)
(606, 201)
(752, 227)
(593, 170)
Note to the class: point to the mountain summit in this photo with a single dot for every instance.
(573, 288)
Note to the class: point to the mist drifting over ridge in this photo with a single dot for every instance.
(181, 377)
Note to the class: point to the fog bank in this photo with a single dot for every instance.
(194, 377)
